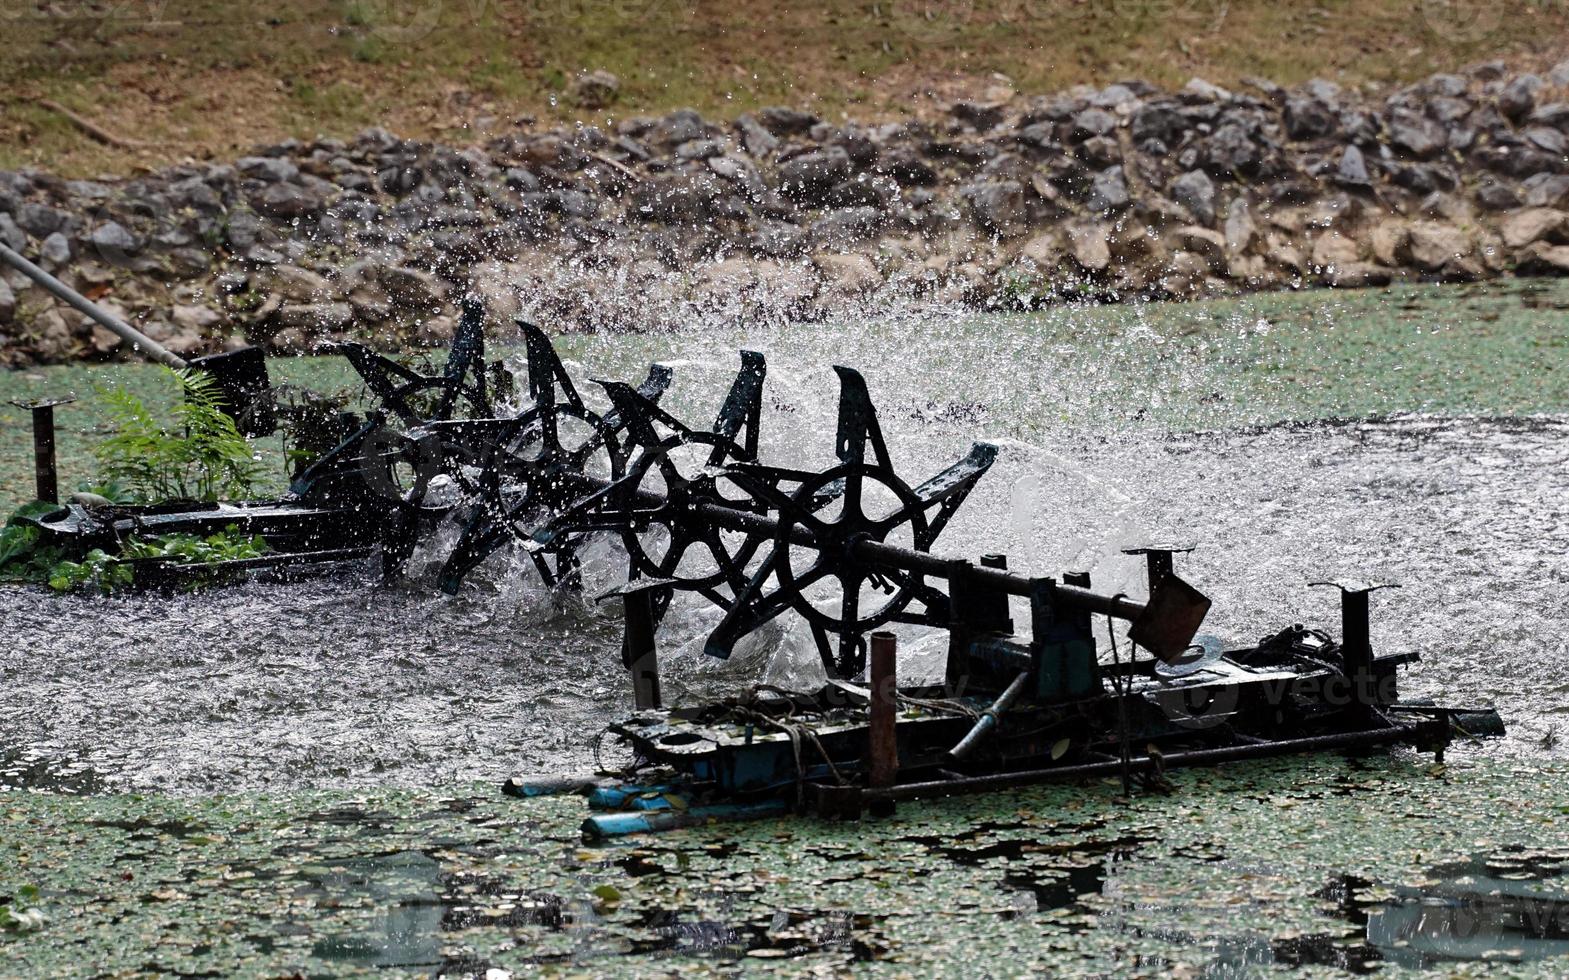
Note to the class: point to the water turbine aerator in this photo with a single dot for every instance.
(849, 548)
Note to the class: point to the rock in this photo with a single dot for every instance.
(293, 340)
(298, 285)
(314, 317)
(808, 178)
(412, 288)
(1281, 253)
(1541, 259)
(55, 252)
(103, 341)
(848, 273)
(1240, 227)
(1307, 118)
(759, 142)
(1419, 136)
(1333, 249)
(1352, 170)
(1205, 91)
(843, 225)
(1435, 245)
(270, 169)
(1196, 192)
(198, 319)
(1494, 196)
(700, 149)
(1518, 98)
(594, 90)
(112, 243)
(436, 331)
(1206, 243)
(1390, 243)
(741, 171)
(1535, 225)
(12, 236)
(1551, 141)
(781, 121)
(786, 287)
(7, 302)
(1092, 122)
(195, 193)
(980, 115)
(1108, 191)
(997, 206)
(1547, 191)
(1090, 246)
(1555, 115)
(40, 220)
(778, 240)
(1044, 250)
(676, 198)
(1158, 120)
(906, 168)
(288, 201)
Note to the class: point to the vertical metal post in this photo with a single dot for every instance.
(638, 649)
(1081, 618)
(882, 739)
(973, 609)
(1356, 644)
(45, 473)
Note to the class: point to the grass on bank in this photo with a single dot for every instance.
(199, 77)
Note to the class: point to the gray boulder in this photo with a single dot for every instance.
(1307, 118)
(112, 242)
(270, 169)
(808, 178)
(782, 121)
(759, 142)
(999, 206)
(286, 202)
(55, 252)
(1418, 136)
(1108, 191)
(1495, 196)
(845, 225)
(1352, 169)
(1546, 190)
(11, 236)
(40, 220)
(1196, 192)
(1518, 98)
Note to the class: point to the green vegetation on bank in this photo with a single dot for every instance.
(176, 78)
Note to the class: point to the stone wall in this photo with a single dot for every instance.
(1091, 194)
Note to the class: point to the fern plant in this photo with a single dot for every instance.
(203, 457)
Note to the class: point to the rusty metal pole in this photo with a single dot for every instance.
(45, 474)
(883, 742)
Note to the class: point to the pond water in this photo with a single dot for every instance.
(1157, 431)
